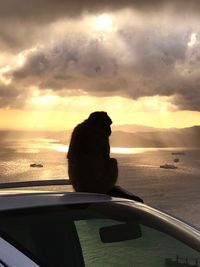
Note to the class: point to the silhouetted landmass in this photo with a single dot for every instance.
(134, 128)
(20, 134)
(186, 137)
(141, 136)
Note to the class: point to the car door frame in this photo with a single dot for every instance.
(12, 257)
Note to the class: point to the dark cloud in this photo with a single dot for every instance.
(153, 61)
(148, 58)
(10, 96)
(21, 21)
(48, 9)
(16, 35)
(8, 91)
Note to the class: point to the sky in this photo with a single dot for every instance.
(61, 60)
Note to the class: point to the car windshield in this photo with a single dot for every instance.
(139, 61)
(101, 234)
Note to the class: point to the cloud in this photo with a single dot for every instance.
(135, 60)
(152, 50)
(22, 21)
(48, 9)
(11, 96)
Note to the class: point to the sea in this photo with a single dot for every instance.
(175, 191)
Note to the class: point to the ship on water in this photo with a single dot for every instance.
(178, 153)
(168, 166)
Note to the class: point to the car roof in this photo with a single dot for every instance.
(21, 199)
(37, 199)
(26, 199)
(43, 193)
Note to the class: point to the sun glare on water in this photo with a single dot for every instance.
(59, 147)
(122, 150)
(131, 150)
(114, 150)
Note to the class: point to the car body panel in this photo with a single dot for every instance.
(17, 259)
(33, 199)
(22, 200)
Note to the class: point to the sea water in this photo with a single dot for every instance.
(176, 191)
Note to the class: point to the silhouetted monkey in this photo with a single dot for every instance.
(90, 167)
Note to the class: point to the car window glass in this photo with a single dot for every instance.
(152, 248)
(101, 234)
(47, 237)
(2, 264)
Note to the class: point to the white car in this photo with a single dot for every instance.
(60, 229)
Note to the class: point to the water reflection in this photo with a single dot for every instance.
(131, 150)
(59, 147)
(114, 150)
(54, 145)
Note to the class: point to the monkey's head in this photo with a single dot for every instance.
(102, 120)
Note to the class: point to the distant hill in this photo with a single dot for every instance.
(186, 137)
(60, 136)
(141, 136)
(134, 128)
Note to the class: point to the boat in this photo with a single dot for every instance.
(176, 160)
(36, 165)
(168, 166)
(178, 153)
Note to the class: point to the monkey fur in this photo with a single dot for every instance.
(90, 167)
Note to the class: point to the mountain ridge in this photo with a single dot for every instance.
(186, 137)
(144, 137)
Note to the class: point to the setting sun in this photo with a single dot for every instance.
(103, 22)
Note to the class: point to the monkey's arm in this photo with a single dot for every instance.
(118, 191)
